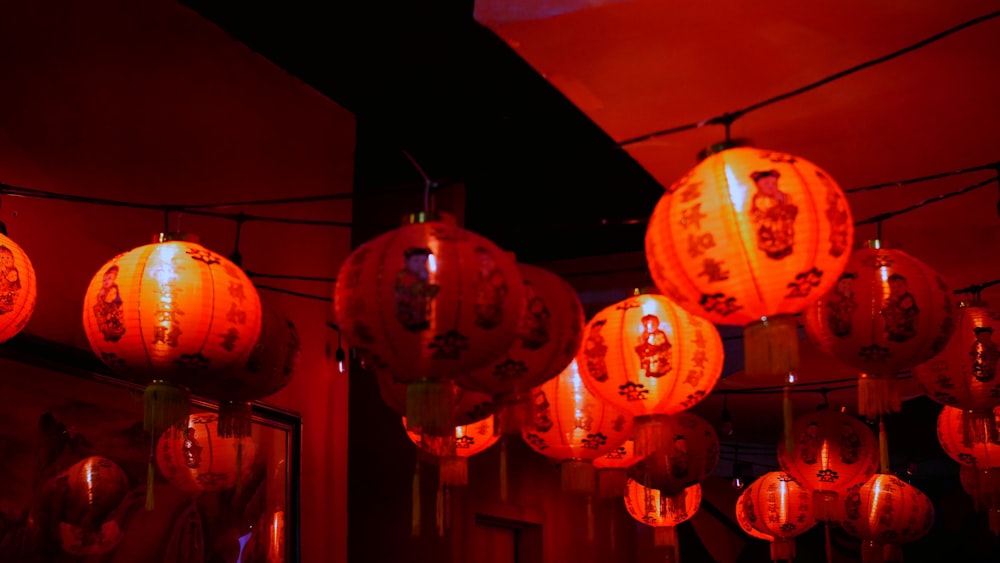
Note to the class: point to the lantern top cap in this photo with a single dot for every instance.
(874, 243)
(175, 236)
(645, 290)
(721, 146)
(428, 217)
(978, 303)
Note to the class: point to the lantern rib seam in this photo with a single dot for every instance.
(744, 252)
(816, 213)
(675, 321)
(211, 320)
(138, 307)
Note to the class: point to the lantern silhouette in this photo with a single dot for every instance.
(468, 406)
(429, 302)
(964, 374)
(18, 290)
(832, 452)
(889, 312)
(88, 500)
(571, 426)
(749, 238)
(777, 506)
(661, 512)
(169, 315)
(612, 474)
(547, 341)
(690, 456)
(885, 511)
(453, 452)
(650, 359)
(983, 485)
(197, 459)
(951, 432)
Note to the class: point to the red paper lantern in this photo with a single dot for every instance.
(964, 375)
(429, 302)
(453, 452)
(197, 459)
(548, 339)
(469, 406)
(89, 500)
(888, 312)
(612, 474)
(571, 426)
(746, 526)
(17, 288)
(171, 314)
(689, 457)
(832, 452)
(951, 435)
(751, 237)
(650, 359)
(983, 485)
(886, 511)
(662, 513)
(777, 506)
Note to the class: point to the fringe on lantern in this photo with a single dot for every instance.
(239, 467)
(611, 482)
(503, 469)
(872, 552)
(787, 419)
(665, 536)
(150, 480)
(771, 347)
(512, 415)
(828, 545)
(782, 549)
(979, 427)
(652, 433)
(429, 407)
(454, 471)
(166, 406)
(877, 395)
(415, 502)
(883, 448)
(892, 553)
(439, 509)
(590, 519)
(235, 419)
(824, 506)
(577, 476)
(612, 531)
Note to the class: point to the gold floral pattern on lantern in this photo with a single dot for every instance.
(18, 289)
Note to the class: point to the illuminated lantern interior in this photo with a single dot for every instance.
(776, 506)
(18, 289)
(90, 500)
(197, 459)
(663, 513)
(886, 511)
(453, 452)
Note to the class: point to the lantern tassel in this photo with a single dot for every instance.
(883, 448)
(652, 434)
(611, 482)
(150, 478)
(439, 509)
(979, 427)
(165, 406)
(590, 519)
(415, 502)
(892, 553)
(503, 469)
(829, 544)
(786, 411)
(429, 407)
(872, 552)
(235, 419)
(771, 347)
(239, 467)
(664, 536)
(454, 471)
(447, 507)
(877, 395)
(782, 549)
(613, 532)
(577, 476)
(994, 521)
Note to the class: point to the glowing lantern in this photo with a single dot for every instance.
(886, 511)
(197, 459)
(469, 406)
(690, 456)
(573, 427)
(832, 452)
(17, 287)
(612, 474)
(429, 302)
(950, 431)
(776, 506)
(649, 358)
(983, 485)
(661, 512)
(170, 314)
(888, 312)
(89, 500)
(750, 238)
(454, 451)
(964, 375)
(548, 339)
(744, 522)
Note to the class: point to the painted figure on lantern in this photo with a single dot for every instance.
(850, 444)
(537, 319)
(810, 444)
(542, 418)
(900, 311)
(413, 290)
(679, 459)
(774, 215)
(984, 354)
(653, 348)
(490, 291)
(841, 306)
(595, 350)
(108, 309)
(837, 214)
(10, 280)
(192, 450)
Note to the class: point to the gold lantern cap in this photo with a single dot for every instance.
(874, 243)
(721, 146)
(176, 236)
(428, 217)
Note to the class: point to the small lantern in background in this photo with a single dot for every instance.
(885, 512)
(89, 497)
(18, 289)
(453, 452)
(689, 457)
(777, 506)
(663, 513)
(197, 459)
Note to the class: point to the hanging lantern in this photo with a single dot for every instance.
(89, 500)
(468, 406)
(453, 452)
(429, 302)
(547, 341)
(268, 369)
(648, 358)
(662, 513)
(690, 456)
(964, 375)
(167, 315)
(887, 313)
(983, 485)
(612, 474)
(750, 238)
(573, 427)
(776, 506)
(17, 287)
(886, 511)
(744, 522)
(951, 432)
(832, 452)
(197, 459)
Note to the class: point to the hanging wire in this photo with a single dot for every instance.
(919, 179)
(320, 279)
(236, 257)
(429, 185)
(294, 293)
(727, 118)
(941, 197)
